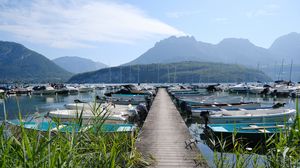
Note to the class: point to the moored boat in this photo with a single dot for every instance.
(196, 110)
(85, 89)
(240, 88)
(251, 116)
(249, 134)
(295, 93)
(72, 90)
(43, 90)
(87, 116)
(51, 126)
(110, 107)
(128, 90)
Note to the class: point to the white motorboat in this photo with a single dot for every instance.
(251, 116)
(72, 90)
(111, 113)
(239, 88)
(113, 108)
(87, 116)
(84, 89)
(43, 90)
(256, 89)
(197, 110)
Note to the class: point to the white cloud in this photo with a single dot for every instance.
(269, 10)
(71, 23)
(182, 14)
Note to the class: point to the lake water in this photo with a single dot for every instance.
(28, 105)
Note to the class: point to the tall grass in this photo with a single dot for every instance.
(286, 150)
(21, 147)
(282, 150)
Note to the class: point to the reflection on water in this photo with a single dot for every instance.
(50, 99)
(28, 105)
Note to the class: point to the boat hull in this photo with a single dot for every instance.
(248, 118)
(51, 126)
(196, 111)
(247, 134)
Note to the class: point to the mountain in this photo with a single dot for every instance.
(175, 49)
(187, 72)
(77, 64)
(18, 63)
(231, 50)
(241, 51)
(287, 47)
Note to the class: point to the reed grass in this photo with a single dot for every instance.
(21, 147)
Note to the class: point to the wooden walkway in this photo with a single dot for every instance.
(163, 136)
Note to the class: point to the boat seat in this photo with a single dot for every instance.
(253, 126)
(59, 127)
(263, 130)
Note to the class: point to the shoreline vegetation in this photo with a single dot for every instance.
(21, 147)
(92, 147)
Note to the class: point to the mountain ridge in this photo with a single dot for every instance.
(228, 50)
(18, 63)
(76, 64)
(180, 72)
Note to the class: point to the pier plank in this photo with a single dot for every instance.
(163, 136)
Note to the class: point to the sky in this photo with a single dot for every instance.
(117, 31)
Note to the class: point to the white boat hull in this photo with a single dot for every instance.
(196, 112)
(87, 116)
(252, 116)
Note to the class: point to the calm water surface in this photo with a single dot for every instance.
(28, 105)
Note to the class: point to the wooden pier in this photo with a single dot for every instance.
(163, 136)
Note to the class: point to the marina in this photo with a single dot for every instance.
(154, 110)
(158, 84)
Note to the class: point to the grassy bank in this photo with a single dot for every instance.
(21, 147)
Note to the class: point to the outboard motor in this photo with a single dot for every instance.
(183, 106)
(205, 115)
(188, 110)
(274, 93)
(211, 88)
(148, 102)
(142, 113)
(278, 105)
(265, 91)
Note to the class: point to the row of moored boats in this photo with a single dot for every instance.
(126, 108)
(226, 115)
